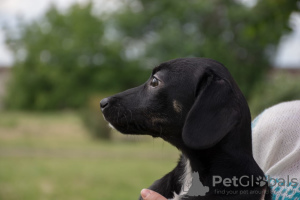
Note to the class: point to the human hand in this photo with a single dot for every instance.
(151, 195)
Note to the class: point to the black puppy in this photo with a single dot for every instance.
(194, 104)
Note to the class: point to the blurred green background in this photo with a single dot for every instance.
(54, 143)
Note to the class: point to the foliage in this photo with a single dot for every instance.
(64, 57)
(227, 31)
(279, 87)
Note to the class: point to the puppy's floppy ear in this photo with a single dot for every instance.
(214, 113)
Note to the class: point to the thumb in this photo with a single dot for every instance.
(151, 195)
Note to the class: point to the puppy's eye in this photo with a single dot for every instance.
(154, 82)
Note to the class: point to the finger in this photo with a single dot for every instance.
(151, 195)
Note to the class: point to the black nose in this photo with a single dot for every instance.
(103, 103)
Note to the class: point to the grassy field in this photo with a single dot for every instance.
(51, 156)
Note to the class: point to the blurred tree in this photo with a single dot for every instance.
(63, 57)
(280, 86)
(236, 35)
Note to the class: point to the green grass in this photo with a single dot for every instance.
(51, 156)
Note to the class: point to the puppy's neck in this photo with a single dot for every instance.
(222, 155)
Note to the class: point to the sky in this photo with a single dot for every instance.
(288, 52)
(28, 10)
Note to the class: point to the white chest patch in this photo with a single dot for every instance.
(185, 180)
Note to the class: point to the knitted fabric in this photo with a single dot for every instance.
(276, 148)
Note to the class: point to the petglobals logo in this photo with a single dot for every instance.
(246, 181)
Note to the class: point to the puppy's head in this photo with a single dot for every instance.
(189, 101)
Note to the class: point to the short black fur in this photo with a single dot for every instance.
(197, 107)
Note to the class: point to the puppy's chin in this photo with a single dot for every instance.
(126, 127)
(121, 125)
(123, 129)
(131, 131)
(119, 129)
